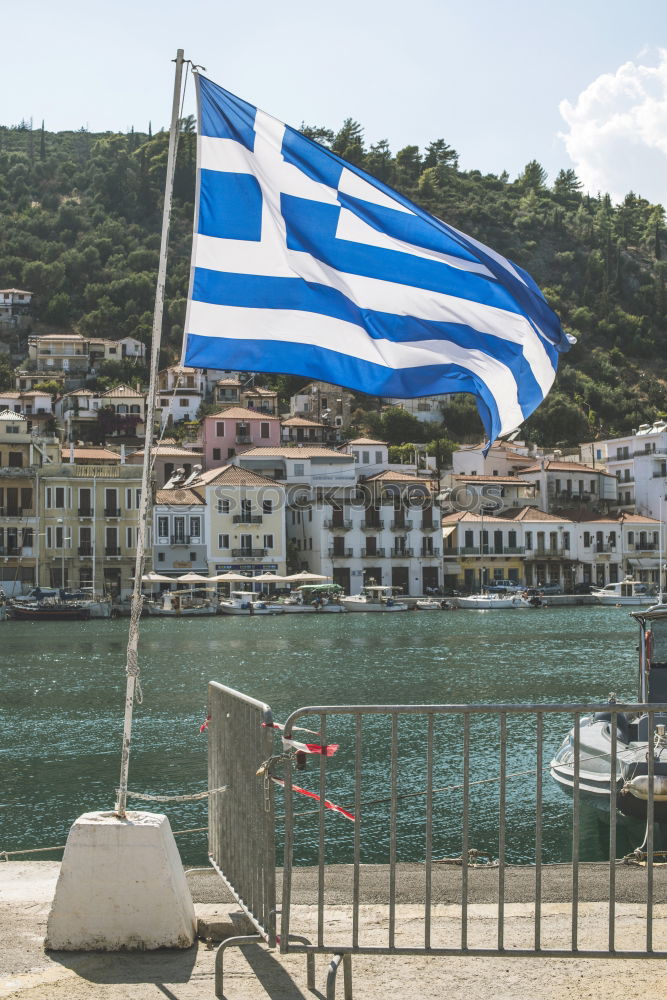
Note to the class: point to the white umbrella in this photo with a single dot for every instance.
(229, 578)
(305, 576)
(156, 578)
(192, 578)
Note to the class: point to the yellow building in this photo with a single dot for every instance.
(88, 526)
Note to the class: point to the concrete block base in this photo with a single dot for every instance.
(121, 887)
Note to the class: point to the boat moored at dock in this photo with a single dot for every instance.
(627, 592)
(375, 599)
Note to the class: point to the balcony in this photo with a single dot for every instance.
(243, 439)
(180, 540)
(332, 525)
(401, 525)
(552, 552)
(401, 553)
(643, 547)
(85, 550)
(372, 553)
(111, 550)
(340, 553)
(10, 550)
(247, 519)
(428, 553)
(372, 525)
(429, 526)
(111, 512)
(513, 550)
(12, 511)
(86, 512)
(249, 553)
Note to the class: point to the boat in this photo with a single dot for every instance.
(624, 784)
(430, 604)
(49, 610)
(179, 604)
(314, 599)
(245, 602)
(374, 598)
(627, 592)
(492, 602)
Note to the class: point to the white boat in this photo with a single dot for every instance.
(310, 599)
(374, 599)
(492, 602)
(245, 602)
(627, 592)
(623, 784)
(179, 604)
(429, 604)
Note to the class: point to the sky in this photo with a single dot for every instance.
(578, 84)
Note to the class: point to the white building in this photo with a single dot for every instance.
(428, 409)
(181, 391)
(639, 462)
(179, 533)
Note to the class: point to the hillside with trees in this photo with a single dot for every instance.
(80, 218)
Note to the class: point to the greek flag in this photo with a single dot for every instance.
(303, 263)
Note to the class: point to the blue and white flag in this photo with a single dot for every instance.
(305, 264)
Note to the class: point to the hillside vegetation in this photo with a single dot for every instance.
(80, 217)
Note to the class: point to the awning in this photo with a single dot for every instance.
(449, 530)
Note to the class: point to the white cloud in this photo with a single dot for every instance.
(617, 131)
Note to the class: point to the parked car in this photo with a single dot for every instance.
(550, 588)
(581, 588)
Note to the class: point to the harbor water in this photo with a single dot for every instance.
(63, 690)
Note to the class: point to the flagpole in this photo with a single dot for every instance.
(133, 688)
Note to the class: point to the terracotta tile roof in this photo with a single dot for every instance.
(167, 448)
(367, 441)
(295, 453)
(300, 422)
(11, 394)
(553, 466)
(232, 475)
(102, 454)
(584, 516)
(230, 380)
(507, 517)
(396, 477)
(240, 413)
(17, 291)
(259, 391)
(514, 480)
(80, 392)
(178, 496)
(10, 415)
(533, 514)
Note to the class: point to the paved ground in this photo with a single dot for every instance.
(27, 973)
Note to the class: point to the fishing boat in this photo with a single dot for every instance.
(627, 592)
(245, 602)
(429, 604)
(50, 611)
(623, 783)
(314, 599)
(374, 599)
(492, 602)
(181, 603)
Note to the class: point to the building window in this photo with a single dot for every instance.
(160, 557)
(566, 539)
(366, 457)
(299, 468)
(163, 527)
(195, 527)
(60, 496)
(223, 507)
(378, 458)
(183, 403)
(220, 429)
(128, 537)
(529, 539)
(268, 541)
(264, 429)
(223, 541)
(267, 506)
(216, 455)
(587, 539)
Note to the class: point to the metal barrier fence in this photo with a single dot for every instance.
(430, 732)
(241, 823)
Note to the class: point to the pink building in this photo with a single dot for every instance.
(233, 431)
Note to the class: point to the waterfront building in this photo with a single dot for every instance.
(59, 352)
(571, 486)
(535, 548)
(639, 462)
(244, 520)
(493, 494)
(235, 430)
(88, 526)
(179, 532)
(20, 457)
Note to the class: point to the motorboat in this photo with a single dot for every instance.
(245, 602)
(622, 778)
(314, 599)
(181, 603)
(49, 610)
(429, 604)
(492, 602)
(374, 598)
(628, 591)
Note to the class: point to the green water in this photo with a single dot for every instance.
(63, 694)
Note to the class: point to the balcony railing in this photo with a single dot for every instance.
(10, 550)
(12, 511)
(332, 525)
(372, 553)
(112, 550)
(401, 525)
(86, 512)
(642, 547)
(85, 550)
(548, 552)
(340, 553)
(429, 526)
(247, 519)
(180, 539)
(402, 553)
(249, 553)
(425, 553)
(111, 512)
(372, 525)
(243, 439)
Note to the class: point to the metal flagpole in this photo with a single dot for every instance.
(132, 666)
